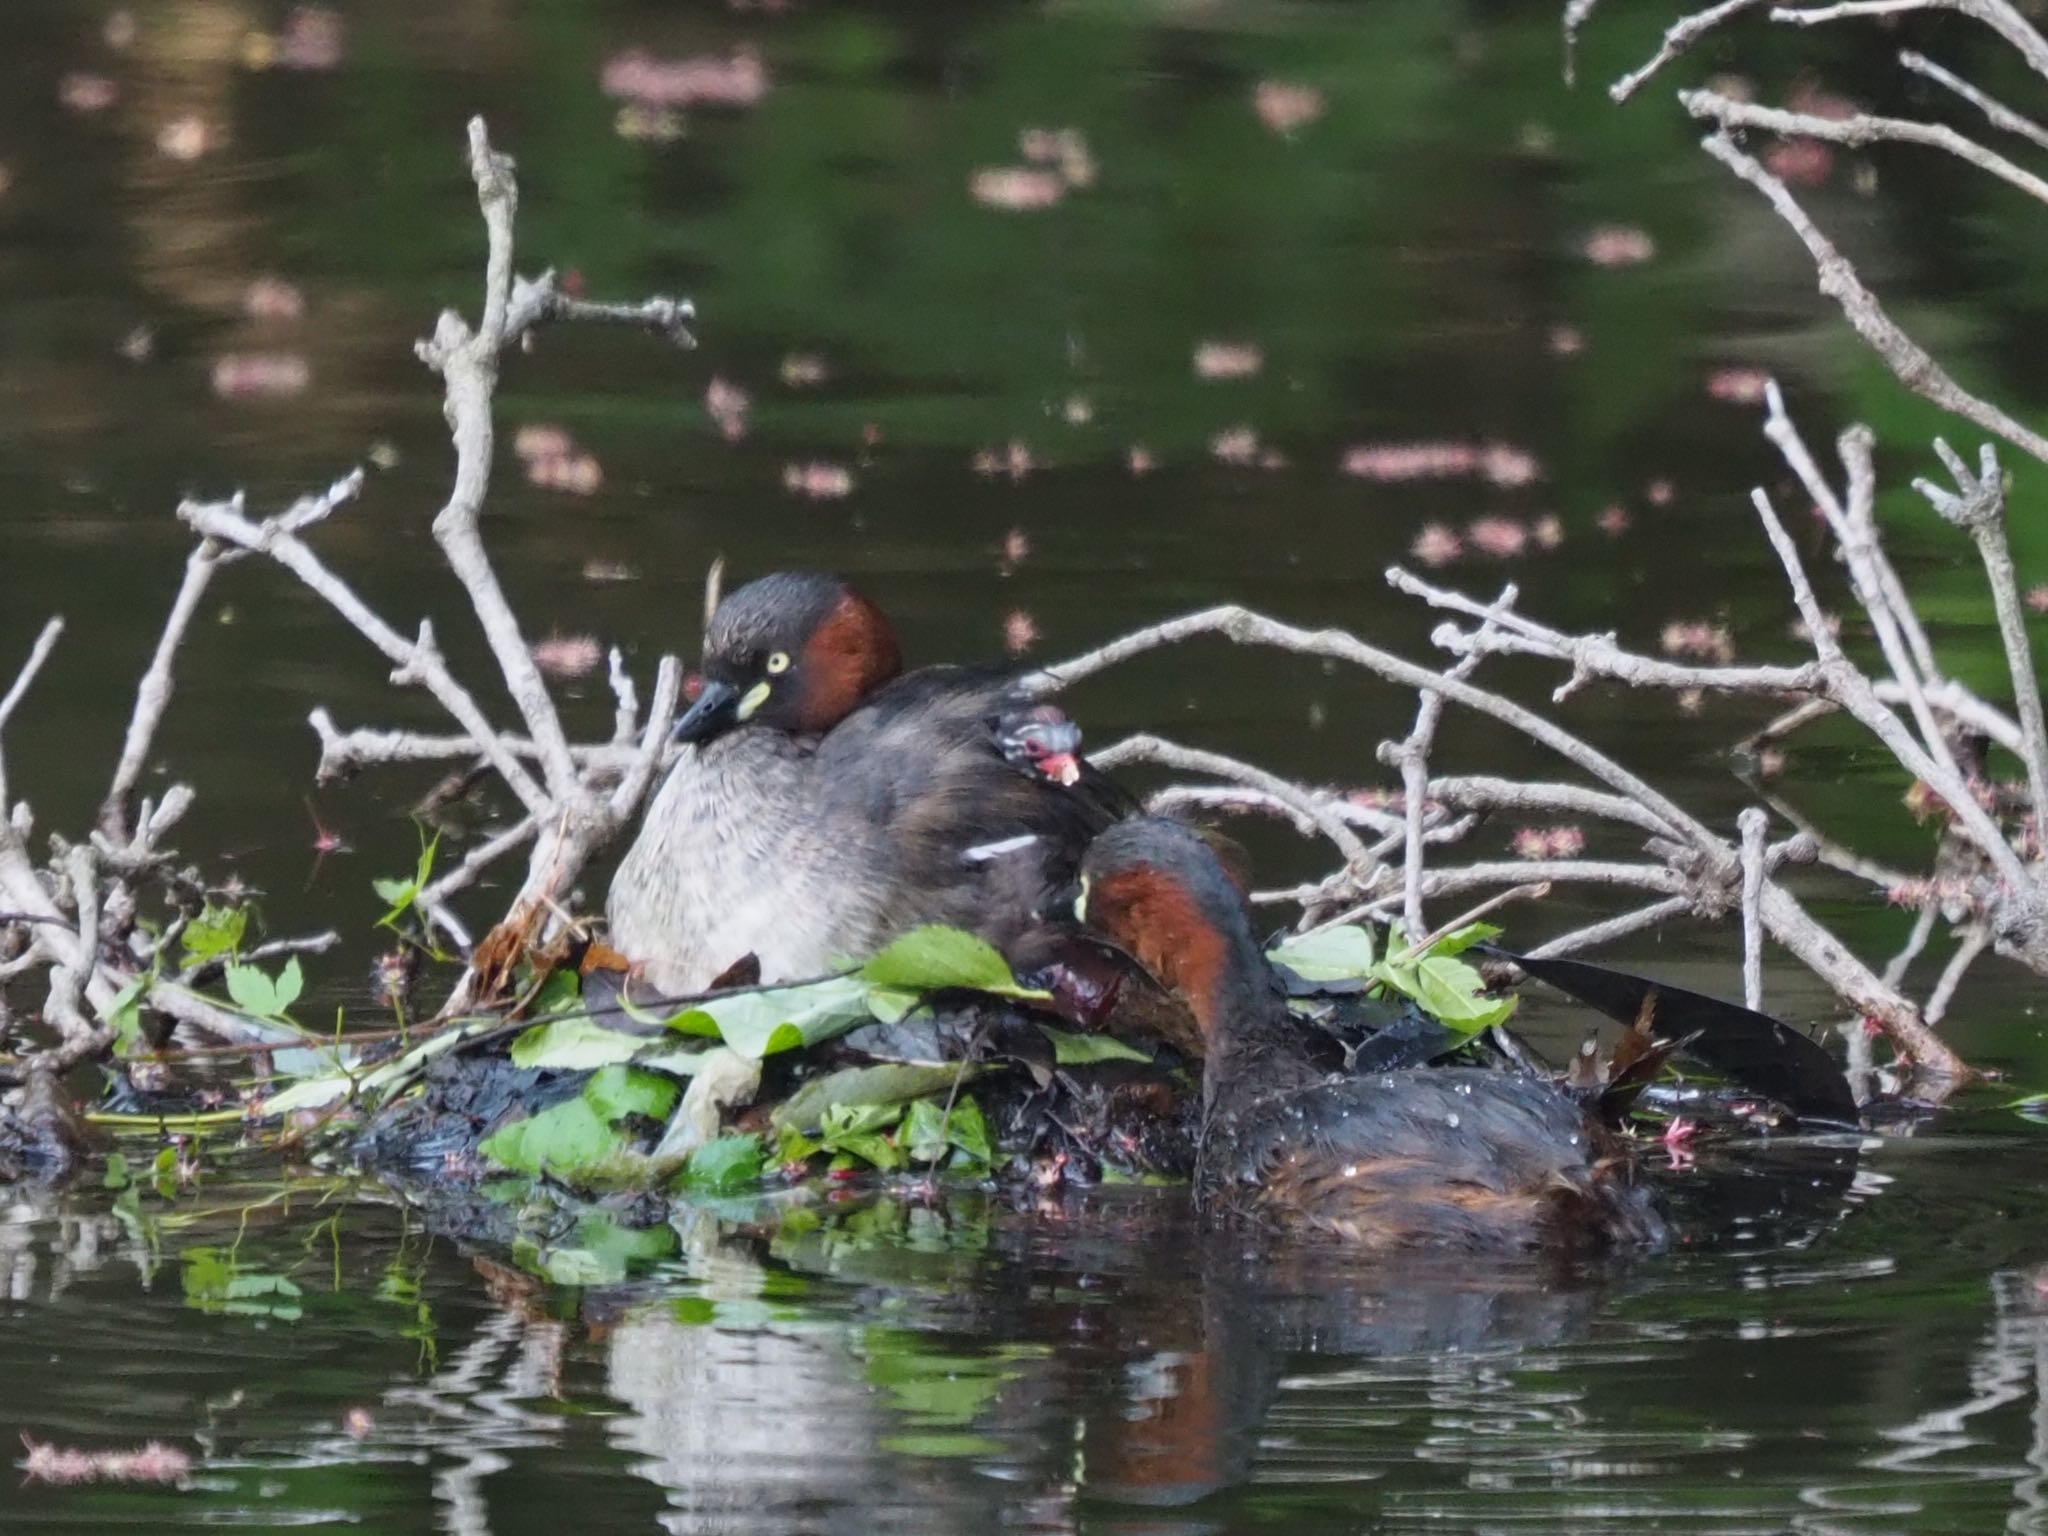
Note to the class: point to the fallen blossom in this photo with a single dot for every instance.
(727, 404)
(1800, 630)
(1228, 360)
(312, 39)
(1770, 762)
(260, 375)
(1501, 537)
(738, 79)
(871, 434)
(804, 370)
(1613, 520)
(818, 480)
(85, 93)
(542, 440)
(1618, 245)
(1077, 410)
(1811, 100)
(1235, 445)
(2037, 599)
(1677, 1141)
(272, 298)
(1549, 842)
(577, 474)
(637, 123)
(153, 1463)
(1699, 639)
(1014, 460)
(1502, 464)
(1285, 105)
(597, 570)
(1436, 545)
(1065, 149)
(138, 346)
(567, 655)
(1566, 341)
(359, 1423)
(1547, 531)
(1738, 386)
(1016, 188)
(1800, 161)
(1020, 632)
(1016, 550)
(1660, 493)
(187, 138)
(1138, 460)
(120, 30)
(1692, 701)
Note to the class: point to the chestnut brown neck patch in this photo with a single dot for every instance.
(850, 654)
(1158, 920)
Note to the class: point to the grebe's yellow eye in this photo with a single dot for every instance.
(778, 663)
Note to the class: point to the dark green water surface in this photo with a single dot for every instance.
(1853, 1337)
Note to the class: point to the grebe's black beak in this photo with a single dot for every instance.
(716, 711)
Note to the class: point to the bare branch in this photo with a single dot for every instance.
(1838, 280)
(2000, 16)
(1974, 942)
(1978, 507)
(1593, 935)
(38, 654)
(1755, 827)
(1995, 112)
(1315, 808)
(1681, 35)
(1861, 129)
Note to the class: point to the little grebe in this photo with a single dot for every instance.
(1427, 1157)
(830, 802)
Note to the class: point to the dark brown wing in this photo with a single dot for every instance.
(1444, 1157)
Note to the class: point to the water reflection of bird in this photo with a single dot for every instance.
(831, 802)
(1446, 1157)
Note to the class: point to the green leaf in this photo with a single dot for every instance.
(929, 958)
(727, 1166)
(312, 1093)
(758, 1024)
(117, 1175)
(125, 1014)
(575, 1045)
(1458, 940)
(615, 1092)
(1342, 953)
(892, 1005)
(290, 983)
(399, 895)
(1078, 1050)
(865, 1087)
(581, 1135)
(967, 1129)
(216, 931)
(1450, 991)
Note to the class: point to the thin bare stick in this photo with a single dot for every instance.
(1977, 506)
(2002, 18)
(1480, 792)
(38, 654)
(1838, 280)
(1974, 942)
(1593, 935)
(1145, 748)
(1534, 891)
(1681, 35)
(1916, 941)
(1755, 825)
(1859, 130)
(1995, 112)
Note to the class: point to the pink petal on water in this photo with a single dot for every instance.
(261, 375)
(1016, 550)
(542, 440)
(1077, 410)
(85, 93)
(1800, 161)
(152, 1463)
(1738, 386)
(1228, 360)
(1566, 341)
(1660, 492)
(1508, 466)
(1618, 245)
(576, 474)
(272, 298)
(734, 80)
(120, 30)
(1020, 632)
(727, 404)
(818, 480)
(2037, 599)
(1436, 545)
(1501, 537)
(1699, 639)
(187, 138)
(1285, 105)
(1016, 188)
(1613, 521)
(312, 39)
(1547, 531)
(1236, 445)
(1065, 149)
(599, 571)
(567, 655)
(1138, 459)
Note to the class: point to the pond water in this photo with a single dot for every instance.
(1280, 238)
